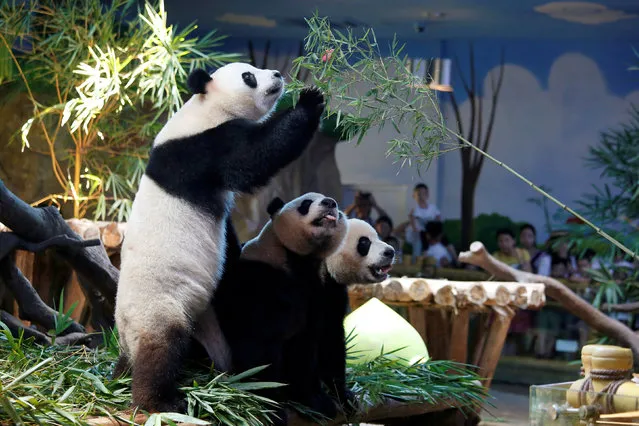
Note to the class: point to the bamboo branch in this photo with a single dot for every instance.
(577, 306)
(493, 108)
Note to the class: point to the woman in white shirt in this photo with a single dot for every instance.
(422, 213)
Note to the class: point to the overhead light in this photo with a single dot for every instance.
(440, 72)
(434, 74)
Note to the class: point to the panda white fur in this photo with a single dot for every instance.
(221, 141)
(278, 281)
(362, 258)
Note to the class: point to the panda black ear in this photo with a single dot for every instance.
(274, 206)
(197, 81)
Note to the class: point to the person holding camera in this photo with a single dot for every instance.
(362, 208)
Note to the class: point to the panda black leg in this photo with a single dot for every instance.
(121, 366)
(156, 370)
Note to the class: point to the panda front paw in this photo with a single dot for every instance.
(349, 403)
(312, 99)
(323, 404)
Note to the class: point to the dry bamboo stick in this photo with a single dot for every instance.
(496, 294)
(443, 292)
(396, 290)
(470, 292)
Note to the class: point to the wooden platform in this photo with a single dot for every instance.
(444, 312)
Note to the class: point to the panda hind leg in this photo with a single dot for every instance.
(122, 366)
(156, 370)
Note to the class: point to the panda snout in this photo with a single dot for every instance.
(389, 253)
(328, 203)
(277, 74)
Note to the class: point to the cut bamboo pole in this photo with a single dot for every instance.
(470, 292)
(496, 294)
(443, 292)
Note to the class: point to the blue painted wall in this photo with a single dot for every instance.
(556, 99)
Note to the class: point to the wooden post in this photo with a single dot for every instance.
(494, 344)
(438, 333)
(459, 336)
(417, 318)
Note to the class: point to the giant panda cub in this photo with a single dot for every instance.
(276, 282)
(222, 141)
(361, 259)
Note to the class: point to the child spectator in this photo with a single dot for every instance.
(436, 250)
(384, 228)
(422, 213)
(509, 254)
(540, 261)
(583, 264)
(362, 207)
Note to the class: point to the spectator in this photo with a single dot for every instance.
(563, 265)
(422, 213)
(540, 261)
(384, 228)
(451, 249)
(583, 264)
(509, 254)
(436, 250)
(363, 206)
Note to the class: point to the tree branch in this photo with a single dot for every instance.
(40, 224)
(91, 340)
(251, 52)
(577, 306)
(493, 109)
(267, 48)
(9, 241)
(631, 307)
(472, 98)
(31, 306)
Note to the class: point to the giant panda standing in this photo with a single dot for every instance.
(220, 142)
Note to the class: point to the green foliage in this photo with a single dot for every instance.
(101, 86)
(367, 90)
(615, 204)
(485, 226)
(65, 386)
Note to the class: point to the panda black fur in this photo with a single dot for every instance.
(277, 279)
(362, 258)
(221, 141)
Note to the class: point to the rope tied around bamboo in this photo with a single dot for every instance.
(605, 396)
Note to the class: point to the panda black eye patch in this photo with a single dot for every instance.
(249, 79)
(363, 246)
(305, 207)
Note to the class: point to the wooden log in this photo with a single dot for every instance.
(438, 333)
(443, 292)
(396, 290)
(470, 293)
(494, 343)
(388, 410)
(496, 294)
(112, 235)
(419, 290)
(417, 318)
(535, 297)
(460, 322)
(518, 293)
(378, 291)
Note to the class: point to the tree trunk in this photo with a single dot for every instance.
(469, 183)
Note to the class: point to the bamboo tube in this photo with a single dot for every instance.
(496, 294)
(470, 292)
